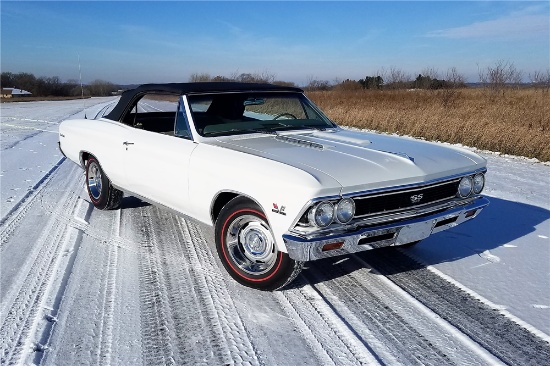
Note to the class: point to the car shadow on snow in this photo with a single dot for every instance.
(132, 202)
(502, 222)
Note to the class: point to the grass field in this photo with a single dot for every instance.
(513, 122)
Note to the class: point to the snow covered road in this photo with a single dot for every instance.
(142, 286)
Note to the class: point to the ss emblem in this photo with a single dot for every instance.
(416, 198)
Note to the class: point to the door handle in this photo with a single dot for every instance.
(126, 143)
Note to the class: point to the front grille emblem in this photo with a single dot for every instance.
(416, 198)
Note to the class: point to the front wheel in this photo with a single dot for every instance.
(248, 250)
(102, 194)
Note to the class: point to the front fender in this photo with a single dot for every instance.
(279, 189)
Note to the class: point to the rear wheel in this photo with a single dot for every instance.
(102, 194)
(248, 250)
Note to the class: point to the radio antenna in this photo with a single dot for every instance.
(81, 87)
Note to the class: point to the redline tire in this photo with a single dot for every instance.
(102, 194)
(248, 250)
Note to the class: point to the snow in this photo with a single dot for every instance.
(142, 286)
(29, 143)
(504, 254)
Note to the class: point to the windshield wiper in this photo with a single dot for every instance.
(264, 130)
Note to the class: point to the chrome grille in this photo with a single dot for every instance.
(403, 199)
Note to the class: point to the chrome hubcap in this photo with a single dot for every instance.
(94, 180)
(251, 245)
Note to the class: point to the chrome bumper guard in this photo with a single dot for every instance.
(378, 236)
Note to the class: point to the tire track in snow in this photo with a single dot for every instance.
(52, 303)
(86, 339)
(385, 330)
(211, 281)
(70, 214)
(22, 305)
(330, 339)
(106, 333)
(183, 297)
(397, 327)
(509, 342)
(197, 306)
(103, 110)
(157, 345)
(98, 321)
(11, 220)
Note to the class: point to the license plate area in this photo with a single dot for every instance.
(415, 232)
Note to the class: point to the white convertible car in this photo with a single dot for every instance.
(281, 182)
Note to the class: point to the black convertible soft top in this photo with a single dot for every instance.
(129, 96)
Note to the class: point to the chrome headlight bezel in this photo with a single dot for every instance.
(478, 183)
(465, 187)
(316, 215)
(345, 211)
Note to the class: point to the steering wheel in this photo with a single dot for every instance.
(285, 114)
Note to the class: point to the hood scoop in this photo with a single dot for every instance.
(300, 142)
(400, 154)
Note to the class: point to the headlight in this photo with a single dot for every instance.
(321, 215)
(465, 187)
(345, 209)
(479, 183)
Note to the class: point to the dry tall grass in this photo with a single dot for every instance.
(513, 122)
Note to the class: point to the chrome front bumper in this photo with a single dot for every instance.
(377, 236)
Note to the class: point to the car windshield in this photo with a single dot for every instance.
(240, 113)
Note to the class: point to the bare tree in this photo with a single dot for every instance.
(221, 78)
(348, 85)
(267, 77)
(234, 75)
(100, 87)
(500, 76)
(450, 93)
(196, 77)
(245, 77)
(428, 79)
(540, 79)
(454, 78)
(383, 74)
(397, 78)
(314, 84)
(309, 79)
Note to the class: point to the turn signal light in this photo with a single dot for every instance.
(332, 246)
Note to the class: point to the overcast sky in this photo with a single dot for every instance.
(139, 42)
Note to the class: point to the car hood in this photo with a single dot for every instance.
(358, 160)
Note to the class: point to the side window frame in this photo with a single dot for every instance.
(182, 127)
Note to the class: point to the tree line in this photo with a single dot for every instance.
(497, 77)
(53, 86)
(245, 77)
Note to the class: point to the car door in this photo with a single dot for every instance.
(157, 163)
